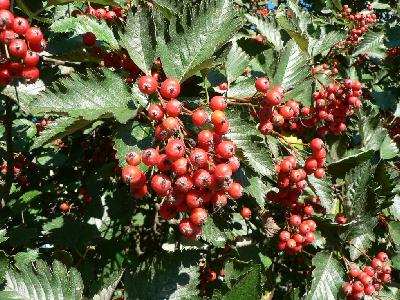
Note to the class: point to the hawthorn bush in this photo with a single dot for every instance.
(210, 149)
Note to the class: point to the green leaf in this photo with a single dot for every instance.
(88, 97)
(292, 67)
(81, 25)
(372, 44)
(341, 166)
(234, 269)
(58, 129)
(395, 260)
(248, 288)
(107, 292)
(29, 196)
(323, 189)
(236, 61)
(301, 92)
(327, 277)
(190, 49)
(166, 276)
(3, 236)
(395, 208)
(394, 231)
(214, 233)
(131, 136)
(139, 39)
(253, 184)
(388, 149)
(169, 8)
(269, 28)
(244, 134)
(243, 88)
(27, 257)
(42, 283)
(325, 42)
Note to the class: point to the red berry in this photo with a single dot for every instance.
(175, 149)
(34, 35)
(199, 117)
(133, 158)
(155, 112)
(198, 157)
(161, 184)
(273, 98)
(219, 200)
(354, 272)
(150, 157)
(285, 166)
(205, 137)
(319, 173)
(286, 112)
(198, 216)
(173, 108)
(284, 236)
(341, 220)
(235, 190)
(382, 256)
(30, 74)
(39, 46)
(6, 19)
(31, 59)
(226, 149)
(369, 270)
(20, 25)
(310, 237)
(147, 85)
(4, 4)
(295, 220)
(347, 289)
(170, 88)
(369, 290)
(180, 166)
(246, 212)
(358, 286)
(223, 172)
(64, 207)
(377, 264)
(131, 175)
(168, 211)
(184, 183)
(164, 163)
(262, 84)
(218, 117)
(234, 163)
(291, 243)
(171, 124)
(218, 103)
(308, 210)
(7, 36)
(89, 39)
(188, 229)
(18, 48)
(316, 144)
(202, 178)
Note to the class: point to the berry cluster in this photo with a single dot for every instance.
(108, 14)
(332, 105)
(359, 25)
(41, 125)
(193, 175)
(370, 279)
(22, 46)
(393, 51)
(20, 169)
(301, 233)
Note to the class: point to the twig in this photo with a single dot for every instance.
(60, 62)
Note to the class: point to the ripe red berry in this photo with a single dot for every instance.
(147, 84)
(245, 212)
(304, 228)
(291, 243)
(184, 183)
(226, 149)
(273, 98)
(286, 112)
(234, 163)
(218, 117)
(34, 35)
(198, 157)
(30, 74)
(377, 264)
(173, 108)
(308, 210)
(218, 103)
(171, 124)
(202, 178)
(164, 163)
(382, 256)
(6, 19)
(133, 158)
(131, 175)
(20, 25)
(4, 4)
(170, 88)
(295, 220)
(284, 236)
(39, 46)
(18, 48)
(175, 149)
(223, 172)
(347, 289)
(188, 229)
(285, 166)
(369, 270)
(198, 216)
(199, 117)
(358, 286)
(150, 157)
(262, 84)
(235, 190)
(319, 173)
(64, 207)
(309, 237)
(161, 184)
(369, 290)
(316, 144)
(205, 137)
(31, 59)
(155, 112)
(89, 39)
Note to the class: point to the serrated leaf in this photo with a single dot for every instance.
(107, 292)
(394, 231)
(243, 88)
(26, 257)
(253, 184)
(3, 236)
(388, 149)
(292, 68)
(213, 234)
(58, 129)
(341, 166)
(131, 136)
(327, 277)
(301, 92)
(166, 276)
(372, 44)
(81, 25)
(244, 134)
(236, 61)
(39, 282)
(269, 28)
(395, 208)
(248, 288)
(139, 39)
(189, 50)
(87, 97)
(234, 269)
(29, 196)
(325, 42)
(323, 189)
(169, 8)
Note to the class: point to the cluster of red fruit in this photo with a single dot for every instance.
(21, 164)
(393, 51)
(110, 14)
(332, 105)
(192, 175)
(41, 125)
(360, 24)
(301, 233)
(22, 44)
(370, 280)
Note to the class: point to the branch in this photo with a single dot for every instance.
(8, 120)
